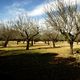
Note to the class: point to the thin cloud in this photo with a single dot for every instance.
(12, 11)
(17, 8)
(41, 9)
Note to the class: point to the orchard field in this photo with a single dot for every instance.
(62, 48)
(41, 61)
(40, 40)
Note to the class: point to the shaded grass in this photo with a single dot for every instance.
(22, 51)
(24, 66)
(38, 66)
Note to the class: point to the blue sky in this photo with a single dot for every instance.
(10, 9)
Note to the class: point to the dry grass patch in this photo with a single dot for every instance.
(62, 48)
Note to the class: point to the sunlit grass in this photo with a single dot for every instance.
(62, 48)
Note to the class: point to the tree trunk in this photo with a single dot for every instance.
(48, 43)
(45, 42)
(17, 42)
(77, 42)
(53, 44)
(6, 43)
(31, 42)
(34, 42)
(27, 47)
(23, 42)
(71, 47)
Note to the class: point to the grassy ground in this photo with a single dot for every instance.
(40, 62)
(62, 48)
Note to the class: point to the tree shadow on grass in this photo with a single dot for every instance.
(16, 46)
(38, 66)
(40, 45)
(49, 47)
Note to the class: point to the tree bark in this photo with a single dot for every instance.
(34, 42)
(45, 42)
(17, 42)
(6, 43)
(71, 47)
(27, 47)
(77, 42)
(53, 44)
(23, 42)
(31, 42)
(48, 43)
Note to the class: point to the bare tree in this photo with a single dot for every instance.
(7, 32)
(28, 28)
(77, 39)
(35, 39)
(51, 35)
(44, 36)
(66, 20)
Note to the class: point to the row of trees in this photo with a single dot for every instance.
(62, 24)
(23, 29)
(27, 29)
(65, 20)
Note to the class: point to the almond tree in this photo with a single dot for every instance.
(28, 28)
(66, 19)
(6, 32)
(51, 35)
